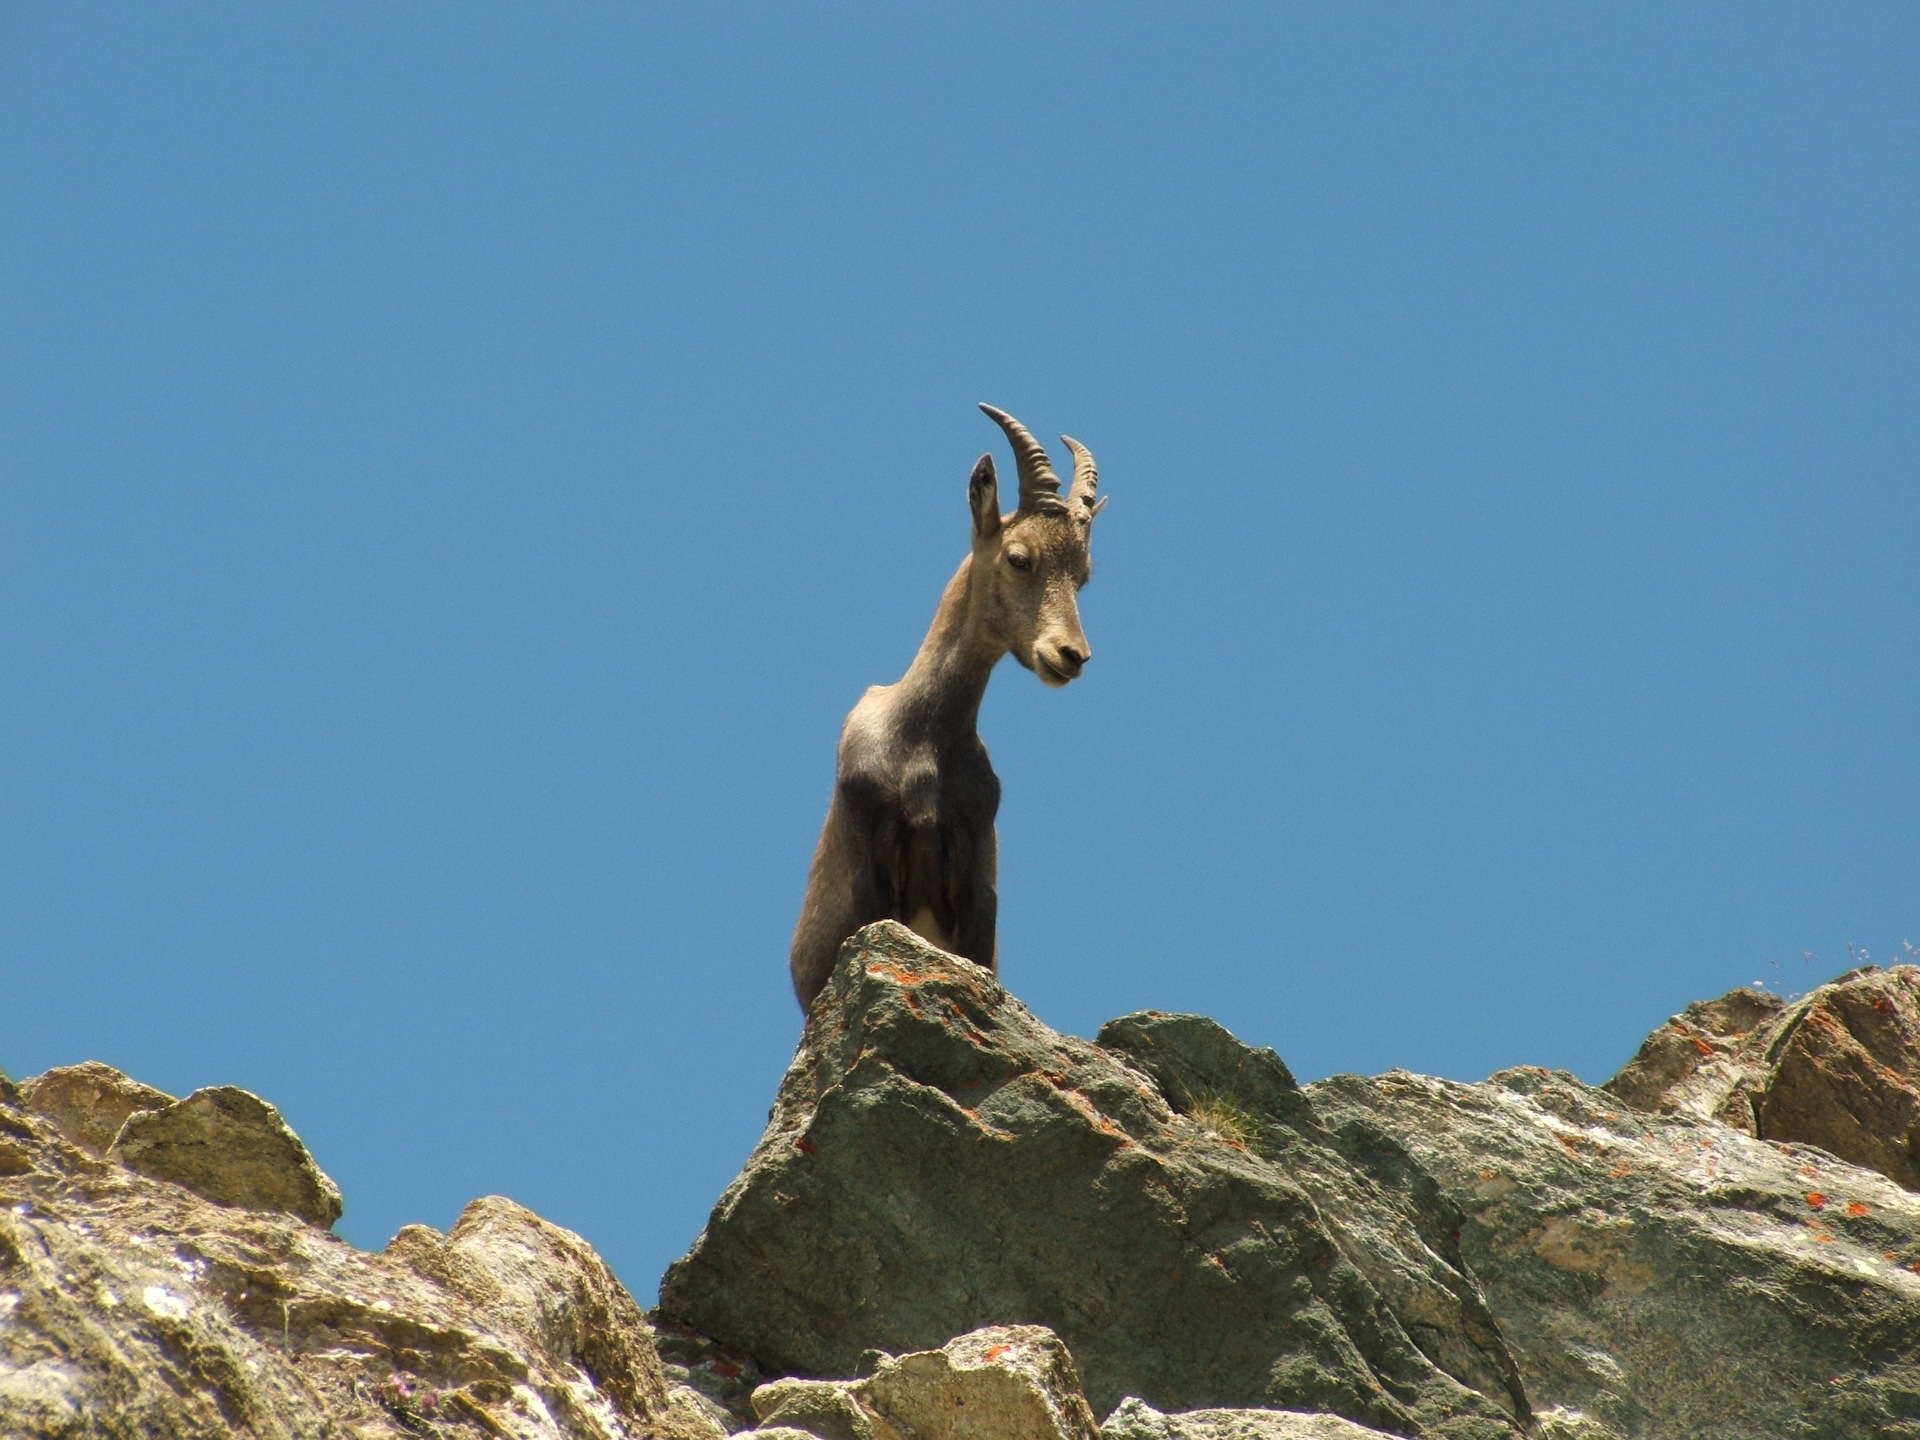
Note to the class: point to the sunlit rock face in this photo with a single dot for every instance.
(1838, 1068)
(195, 1292)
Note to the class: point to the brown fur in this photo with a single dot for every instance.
(909, 833)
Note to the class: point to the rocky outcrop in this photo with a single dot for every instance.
(233, 1148)
(1839, 1068)
(938, 1160)
(1219, 1252)
(137, 1306)
(1666, 1276)
(1218, 1245)
(89, 1102)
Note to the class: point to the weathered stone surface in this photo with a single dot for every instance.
(939, 1161)
(1006, 1382)
(89, 1102)
(132, 1309)
(723, 1378)
(233, 1148)
(1667, 1277)
(1137, 1420)
(1839, 1068)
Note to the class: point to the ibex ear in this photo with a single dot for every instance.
(983, 498)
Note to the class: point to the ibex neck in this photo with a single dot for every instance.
(948, 678)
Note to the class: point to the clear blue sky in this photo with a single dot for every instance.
(459, 464)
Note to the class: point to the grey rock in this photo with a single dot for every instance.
(1137, 1420)
(1666, 1277)
(233, 1148)
(89, 1102)
(725, 1379)
(938, 1161)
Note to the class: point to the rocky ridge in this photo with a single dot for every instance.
(963, 1225)
(1417, 1256)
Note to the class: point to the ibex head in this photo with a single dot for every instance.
(1028, 566)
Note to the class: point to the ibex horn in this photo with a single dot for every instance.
(1037, 479)
(1086, 474)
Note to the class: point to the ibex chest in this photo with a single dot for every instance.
(930, 777)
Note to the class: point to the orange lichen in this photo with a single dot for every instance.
(1855, 1207)
(994, 1352)
(1816, 1200)
(895, 974)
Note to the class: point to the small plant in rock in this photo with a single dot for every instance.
(1225, 1118)
(415, 1406)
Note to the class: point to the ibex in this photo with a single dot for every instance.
(909, 833)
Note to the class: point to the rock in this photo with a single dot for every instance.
(1009, 1382)
(1137, 1420)
(1666, 1277)
(724, 1379)
(1839, 1068)
(824, 1409)
(939, 1161)
(132, 1309)
(1013, 1382)
(231, 1147)
(88, 1103)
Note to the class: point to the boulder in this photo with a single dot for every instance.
(939, 1161)
(89, 1102)
(232, 1147)
(1838, 1068)
(136, 1309)
(1236, 1253)
(1666, 1277)
(1013, 1382)
(1137, 1420)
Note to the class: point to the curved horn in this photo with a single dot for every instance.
(1037, 480)
(1086, 474)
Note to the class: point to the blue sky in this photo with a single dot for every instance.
(458, 466)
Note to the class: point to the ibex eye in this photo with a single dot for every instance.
(1019, 559)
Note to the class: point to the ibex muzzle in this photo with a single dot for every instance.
(909, 833)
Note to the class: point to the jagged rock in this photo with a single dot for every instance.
(938, 1161)
(1839, 1068)
(724, 1379)
(1137, 1420)
(132, 1309)
(232, 1147)
(1008, 1382)
(1667, 1277)
(89, 1102)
